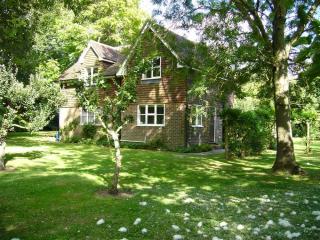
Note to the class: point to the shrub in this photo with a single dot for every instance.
(89, 131)
(247, 132)
(156, 144)
(73, 139)
(103, 141)
(195, 148)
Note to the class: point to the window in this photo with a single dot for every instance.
(197, 114)
(151, 115)
(88, 75)
(154, 70)
(87, 117)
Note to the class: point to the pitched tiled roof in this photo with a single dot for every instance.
(104, 52)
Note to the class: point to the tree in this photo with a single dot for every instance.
(108, 98)
(276, 28)
(19, 21)
(25, 106)
(61, 34)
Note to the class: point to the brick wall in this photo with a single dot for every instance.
(172, 134)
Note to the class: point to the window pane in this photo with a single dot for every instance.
(160, 109)
(142, 109)
(148, 74)
(150, 119)
(142, 119)
(156, 62)
(160, 119)
(194, 120)
(151, 109)
(156, 72)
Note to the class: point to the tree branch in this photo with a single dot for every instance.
(19, 126)
(255, 22)
(302, 24)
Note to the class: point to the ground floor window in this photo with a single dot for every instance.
(197, 116)
(151, 115)
(87, 117)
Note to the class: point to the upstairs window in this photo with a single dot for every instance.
(154, 71)
(197, 115)
(89, 75)
(151, 115)
(87, 117)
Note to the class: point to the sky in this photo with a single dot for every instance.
(148, 7)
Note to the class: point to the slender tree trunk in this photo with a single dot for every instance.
(2, 154)
(118, 157)
(285, 160)
(308, 140)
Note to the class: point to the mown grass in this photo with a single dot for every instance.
(50, 192)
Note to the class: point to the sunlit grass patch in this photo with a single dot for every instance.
(52, 194)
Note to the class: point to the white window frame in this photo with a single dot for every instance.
(198, 117)
(151, 114)
(82, 111)
(144, 76)
(90, 75)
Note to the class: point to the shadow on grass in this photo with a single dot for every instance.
(57, 189)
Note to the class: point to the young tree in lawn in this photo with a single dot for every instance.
(28, 107)
(108, 98)
(276, 27)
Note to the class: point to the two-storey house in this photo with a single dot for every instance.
(163, 108)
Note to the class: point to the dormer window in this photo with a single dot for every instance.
(154, 71)
(88, 75)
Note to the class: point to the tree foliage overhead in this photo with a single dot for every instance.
(254, 39)
(34, 32)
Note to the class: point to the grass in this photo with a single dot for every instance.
(50, 191)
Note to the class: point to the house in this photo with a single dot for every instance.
(163, 108)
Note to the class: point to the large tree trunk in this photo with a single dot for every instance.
(118, 157)
(2, 154)
(285, 160)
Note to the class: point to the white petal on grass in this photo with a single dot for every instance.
(268, 237)
(188, 230)
(293, 213)
(238, 237)
(124, 238)
(168, 210)
(143, 203)
(144, 231)
(318, 218)
(240, 227)
(303, 225)
(199, 225)
(251, 216)
(281, 214)
(15, 238)
(216, 238)
(100, 221)
(268, 224)
(317, 213)
(186, 219)
(284, 222)
(188, 200)
(175, 227)
(291, 194)
(291, 235)
(256, 231)
(177, 237)
(137, 221)
(306, 201)
(123, 229)
(223, 224)
(200, 232)
(186, 214)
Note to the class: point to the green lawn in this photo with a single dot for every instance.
(50, 192)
